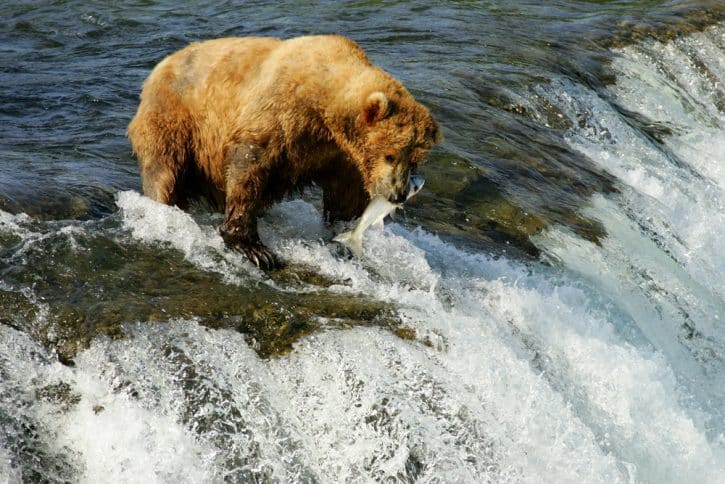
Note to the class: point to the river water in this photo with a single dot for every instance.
(550, 308)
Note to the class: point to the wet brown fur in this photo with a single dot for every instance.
(244, 121)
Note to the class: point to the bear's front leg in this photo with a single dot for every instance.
(240, 233)
(245, 191)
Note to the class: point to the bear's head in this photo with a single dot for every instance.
(396, 134)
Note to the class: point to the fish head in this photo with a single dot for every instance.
(397, 137)
(414, 186)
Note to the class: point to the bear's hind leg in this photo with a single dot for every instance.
(161, 183)
(161, 144)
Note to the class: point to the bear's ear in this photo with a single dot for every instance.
(375, 107)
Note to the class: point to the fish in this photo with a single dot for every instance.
(378, 208)
(374, 214)
(414, 185)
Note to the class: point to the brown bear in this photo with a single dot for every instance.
(244, 121)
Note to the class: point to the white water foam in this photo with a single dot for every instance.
(106, 436)
(201, 245)
(9, 474)
(662, 261)
(680, 85)
(680, 190)
(14, 224)
(529, 376)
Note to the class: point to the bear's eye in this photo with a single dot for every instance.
(389, 158)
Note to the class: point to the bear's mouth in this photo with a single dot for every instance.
(415, 183)
(392, 193)
(399, 193)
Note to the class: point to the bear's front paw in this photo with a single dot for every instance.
(260, 255)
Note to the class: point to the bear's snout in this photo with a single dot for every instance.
(400, 198)
(401, 189)
(415, 183)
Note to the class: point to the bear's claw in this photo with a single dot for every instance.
(261, 256)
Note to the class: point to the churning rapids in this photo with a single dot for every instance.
(591, 349)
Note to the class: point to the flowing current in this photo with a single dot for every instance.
(601, 359)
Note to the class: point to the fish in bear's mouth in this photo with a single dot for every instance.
(415, 183)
